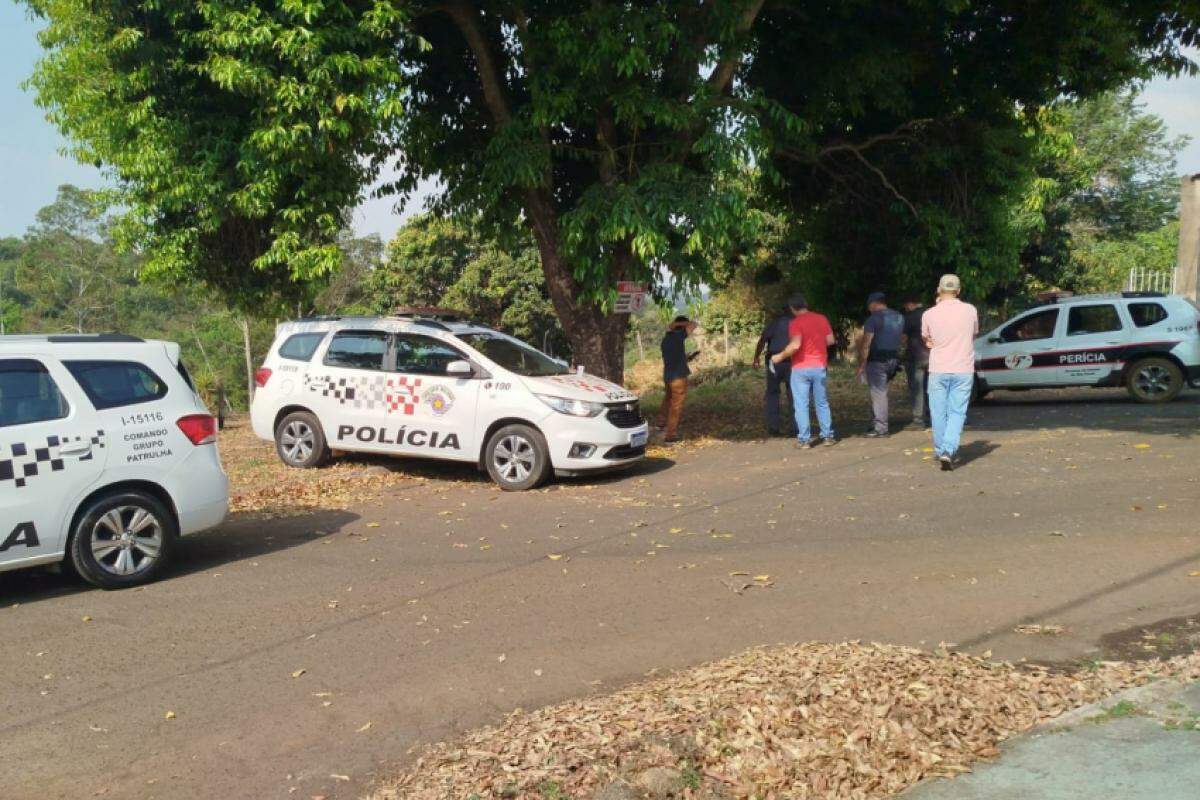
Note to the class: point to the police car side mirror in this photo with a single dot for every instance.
(994, 340)
(460, 368)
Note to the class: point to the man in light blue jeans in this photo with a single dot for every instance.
(802, 380)
(949, 396)
(949, 330)
(809, 339)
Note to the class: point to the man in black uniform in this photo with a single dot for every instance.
(774, 339)
(916, 361)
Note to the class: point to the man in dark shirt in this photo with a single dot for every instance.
(774, 339)
(879, 357)
(916, 361)
(675, 375)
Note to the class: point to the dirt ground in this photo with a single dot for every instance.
(305, 656)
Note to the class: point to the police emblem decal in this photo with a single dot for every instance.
(440, 399)
(1018, 361)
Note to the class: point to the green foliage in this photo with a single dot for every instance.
(904, 136)
(1101, 264)
(1105, 192)
(440, 262)
(237, 133)
(65, 276)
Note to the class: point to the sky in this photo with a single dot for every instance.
(32, 168)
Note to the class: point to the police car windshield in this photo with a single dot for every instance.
(515, 356)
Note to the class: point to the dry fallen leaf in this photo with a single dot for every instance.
(169, 715)
(298, 673)
(1194, 574)
(372, 524)
(554, 556)
(1141, 447)
(364, 728)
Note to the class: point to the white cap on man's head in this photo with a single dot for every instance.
(949, 283)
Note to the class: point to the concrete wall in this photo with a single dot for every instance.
(1188, 268)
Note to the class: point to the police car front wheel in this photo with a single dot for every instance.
(300, 442)
(517, 458)
(1154, 380)
(122, 540)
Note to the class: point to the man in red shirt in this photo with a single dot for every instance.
(810, 337)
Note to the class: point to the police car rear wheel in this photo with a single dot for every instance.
(517, 458)
(300, 442)
(1154, 380)
(122, 540)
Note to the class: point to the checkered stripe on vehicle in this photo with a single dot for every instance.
(25, 461)
(396, 394)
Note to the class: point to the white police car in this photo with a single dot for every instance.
(433, 385)
(107, 455)
(1147, 342)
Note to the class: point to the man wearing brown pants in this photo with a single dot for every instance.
(675, 375)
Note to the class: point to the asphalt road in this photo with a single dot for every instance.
(305, 656)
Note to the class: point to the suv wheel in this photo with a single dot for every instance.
(300, 442)
(1154, 380)
(517, 458)
(122, 540)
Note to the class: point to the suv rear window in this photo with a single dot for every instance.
(1083, 320)
(357, 350)
(112, 384)
(300, 346)
(1147, 314)
(28, 394)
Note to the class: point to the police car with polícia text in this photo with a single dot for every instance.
(431, 384)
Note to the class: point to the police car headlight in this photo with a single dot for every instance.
(573, 408)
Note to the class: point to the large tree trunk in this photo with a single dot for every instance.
(597, 338)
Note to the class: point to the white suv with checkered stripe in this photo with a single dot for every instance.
(431, 384)
(107, 456)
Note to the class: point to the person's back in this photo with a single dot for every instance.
(674, 355)
(950, 328)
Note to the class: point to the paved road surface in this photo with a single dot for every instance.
(450, 613)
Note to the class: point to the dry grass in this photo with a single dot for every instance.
(260, 483)
(725, 402)
(806, 721)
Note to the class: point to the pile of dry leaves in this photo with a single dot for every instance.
(260, 483)
(806, 721)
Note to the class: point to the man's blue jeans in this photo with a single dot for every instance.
(802, 381)
(949, 396)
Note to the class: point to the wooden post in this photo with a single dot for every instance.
(728, 355)
(1187, 269)
(245, 323)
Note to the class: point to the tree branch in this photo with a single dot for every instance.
(466, 17)
(721, 77)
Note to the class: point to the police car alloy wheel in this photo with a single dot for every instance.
(300, 442)
(1154, 380)
(517, 458)
(122, 540)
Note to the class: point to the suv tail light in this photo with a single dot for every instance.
(199, 428)
(261, 376)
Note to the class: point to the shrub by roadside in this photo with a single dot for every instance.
(806, 721)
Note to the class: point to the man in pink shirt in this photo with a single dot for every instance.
(949, 330)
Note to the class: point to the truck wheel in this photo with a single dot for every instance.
(1154, 380)
(122, 540)
(517, 458)
(300, 442)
